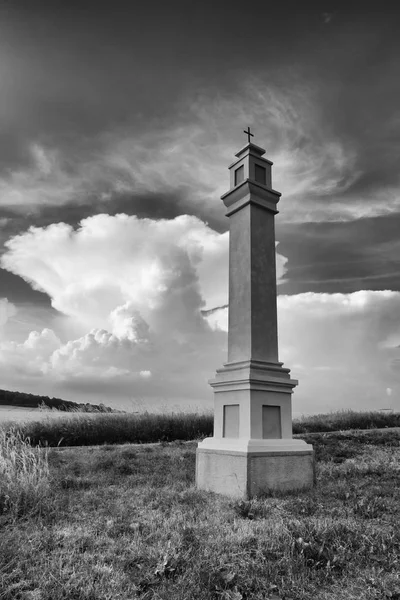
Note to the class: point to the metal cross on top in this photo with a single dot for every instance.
(248, 133)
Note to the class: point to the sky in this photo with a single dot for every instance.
(118, 122)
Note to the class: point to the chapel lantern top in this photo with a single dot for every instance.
(250, 166)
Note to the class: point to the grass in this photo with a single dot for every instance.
(24, 475)
(346, 419)
(82, 429)
(125, 522)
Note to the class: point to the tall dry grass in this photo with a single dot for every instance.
(24, 475)
(83, 429)
(343, 420)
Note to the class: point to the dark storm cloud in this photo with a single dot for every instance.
(78, 68)
(341, 257)
(17, 291)
(157, 206)
(69, 75)
(151, 206)
(72, 71)
(360, 98)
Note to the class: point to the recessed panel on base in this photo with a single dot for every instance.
(231, 421)
(271, 422)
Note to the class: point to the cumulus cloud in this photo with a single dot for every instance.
(115, 271)
(136, 285)
(98, 354)
(150, 298)
(138, 289)
(127, 322)
(31, 356)
(109, 261)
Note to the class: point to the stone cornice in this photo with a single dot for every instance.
(250, 192)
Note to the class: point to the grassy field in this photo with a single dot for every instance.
(123, 522)
(82, 429)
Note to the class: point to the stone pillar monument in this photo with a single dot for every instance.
(252, 451)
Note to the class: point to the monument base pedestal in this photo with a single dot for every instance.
(242, 468)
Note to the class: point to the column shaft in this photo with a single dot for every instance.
(252, 286)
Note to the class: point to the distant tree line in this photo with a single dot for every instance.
(34, 401)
